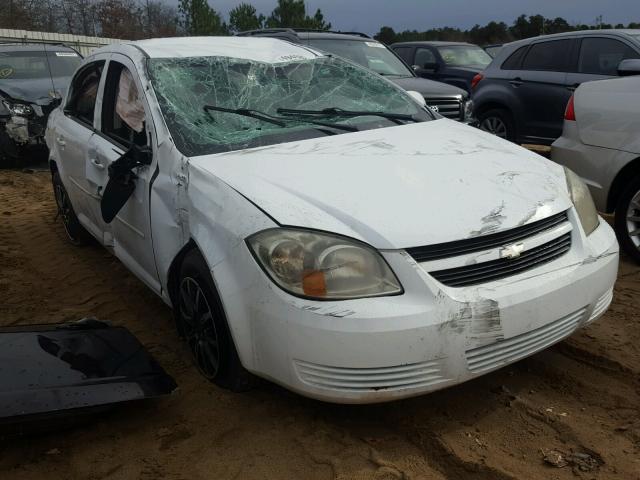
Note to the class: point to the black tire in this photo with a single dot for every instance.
(75, 231)
(499, 122)
(9, 151)
(202, 322)
(627, 211)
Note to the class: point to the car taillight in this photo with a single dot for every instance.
(475, 80)
(570, 111)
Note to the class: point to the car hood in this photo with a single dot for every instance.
(35, 90)
(397, 187)
(427, 88)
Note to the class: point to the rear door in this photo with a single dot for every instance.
(123, 123)
(542, 88)
(598, 58)
(73, 134)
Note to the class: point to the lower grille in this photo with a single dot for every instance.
(507, 351)
(447, 107)
(371, 379)
(602, 304)
(504, 267)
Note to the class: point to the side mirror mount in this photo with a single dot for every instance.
(122, 179)
(417, 97)
(628, 67)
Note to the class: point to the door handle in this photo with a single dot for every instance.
(97, 164)
(516, 82)
(60, 140)
(572, 88)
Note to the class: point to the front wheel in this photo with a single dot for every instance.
(627, 220)
(202, 322)
(499, 122)
(75, 231)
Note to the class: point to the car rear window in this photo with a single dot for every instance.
(515, 59)
(548, 56)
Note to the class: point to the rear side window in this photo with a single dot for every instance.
(601, 56)
(548, 56)
(83, 93)
(515, 59)
(404, 53)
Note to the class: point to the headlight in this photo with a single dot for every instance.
(321, 265)
(468, 110)
(20, 109)
(583, 202)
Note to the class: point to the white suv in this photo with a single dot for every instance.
(312, 223)
(601, 143)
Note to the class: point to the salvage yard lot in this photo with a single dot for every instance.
(580, 398)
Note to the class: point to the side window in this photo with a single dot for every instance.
(424, 56)
(83, 92)
(548, 56)
(123, 117)
(515, 59)
(601, 56)
(404, 53)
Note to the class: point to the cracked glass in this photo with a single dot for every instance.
(184, 86)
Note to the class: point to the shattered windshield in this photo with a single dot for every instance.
(259, 92)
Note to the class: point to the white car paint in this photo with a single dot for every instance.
(392, 188)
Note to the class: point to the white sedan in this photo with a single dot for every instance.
(313, 224)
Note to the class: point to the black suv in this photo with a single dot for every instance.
(33, 79)
(449, 101)
(450, 62)
(522, 95)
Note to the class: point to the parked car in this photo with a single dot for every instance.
(493, 50)
(33, 77)
(521, 96)
(449, 62)
(601, 143)
(447, 100)
(315, 225)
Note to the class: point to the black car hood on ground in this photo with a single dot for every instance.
(34, 90)
(51, 371)
(426, 87)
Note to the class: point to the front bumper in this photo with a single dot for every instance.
(433, 336)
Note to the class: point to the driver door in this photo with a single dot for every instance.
(124, 122)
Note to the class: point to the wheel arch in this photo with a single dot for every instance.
(630, 171)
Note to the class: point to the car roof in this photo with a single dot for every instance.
(306, 34)
(625, 32)
(433, 43)
(258, 49)
(34, 47)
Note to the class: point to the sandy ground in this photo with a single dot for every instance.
(580, 397)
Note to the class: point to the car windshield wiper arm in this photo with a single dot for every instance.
(338, 112)
(281, 122)
(246, 112)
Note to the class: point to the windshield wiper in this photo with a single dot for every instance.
(246, 112)
(338, 112)
(281, 122)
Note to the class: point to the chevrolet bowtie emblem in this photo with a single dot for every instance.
(512, 251)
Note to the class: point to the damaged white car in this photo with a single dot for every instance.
(315, 225)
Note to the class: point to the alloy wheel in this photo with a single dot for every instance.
(633, 220)
(199, 328)
(495, 126)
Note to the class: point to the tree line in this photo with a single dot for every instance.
(138, 19)
(494, 32)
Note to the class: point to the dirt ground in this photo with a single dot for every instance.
(580, 398)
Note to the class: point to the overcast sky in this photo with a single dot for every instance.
(369, 15)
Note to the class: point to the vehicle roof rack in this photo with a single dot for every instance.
(299, 30)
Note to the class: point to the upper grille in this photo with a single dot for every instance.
(447, 107)
(504, 267)
(485, 242)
